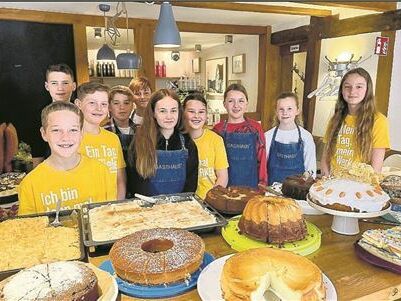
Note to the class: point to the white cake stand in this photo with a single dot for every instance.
(345, 222)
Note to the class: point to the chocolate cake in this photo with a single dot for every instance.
(297, 186)
(392, 186)
(273, 220)
(231, 200)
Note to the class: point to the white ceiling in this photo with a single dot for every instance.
(146, 11)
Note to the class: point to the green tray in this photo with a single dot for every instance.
(240, 242)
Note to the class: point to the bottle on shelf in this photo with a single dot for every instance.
(104, 69)
(164, 69)
(157, 67)
(113, 70)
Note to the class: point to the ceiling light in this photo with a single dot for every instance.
(198, 47)
(105, 52)
(128, 60)
(167, 34)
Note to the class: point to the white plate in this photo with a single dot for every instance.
(107, 284)
(209, 282)
(308, 209)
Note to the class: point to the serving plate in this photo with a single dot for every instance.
(209, 282)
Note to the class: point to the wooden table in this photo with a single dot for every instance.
(353, 278)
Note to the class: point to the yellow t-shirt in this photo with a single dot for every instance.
(346, 148)
(106, 148)
(212, 156)
(89, 182)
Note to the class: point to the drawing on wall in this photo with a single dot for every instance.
(196, 65)
(239, 63)
(216, 75)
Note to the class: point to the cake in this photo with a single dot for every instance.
(157, 256)
(248, 275)
(392, 186)
(63, 280)
(8, 186)
(29, 241)
(273, 220)
(114, 221)
(231, 200)
(297, 186)
(349, 195)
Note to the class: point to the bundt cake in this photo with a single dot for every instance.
(273, 220)
(62, 280)
(297, 186)
(157, 256)
(348, 195)
(249, 274)
(231, 200)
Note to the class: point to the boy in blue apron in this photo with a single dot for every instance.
(290, 148)
(244, 141)
(161, 158)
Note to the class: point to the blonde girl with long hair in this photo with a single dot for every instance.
(357, 132)
(161, 158)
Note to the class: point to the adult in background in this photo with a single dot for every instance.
(161, 158)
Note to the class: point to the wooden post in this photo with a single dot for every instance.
(311, 71)
(383, 77)
(143, 36)
(81, 53)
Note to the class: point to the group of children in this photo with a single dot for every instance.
(165, 147)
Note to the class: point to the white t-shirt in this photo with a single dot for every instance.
(291, 136)
(125, 131)
(137, 119)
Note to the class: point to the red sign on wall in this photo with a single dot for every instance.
(381, 45)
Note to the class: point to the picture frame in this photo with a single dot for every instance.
(216, 76)
(233, 81)
(196, 65)
(238, 63)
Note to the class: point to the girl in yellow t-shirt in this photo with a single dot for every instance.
(356, 132)
(213, 162)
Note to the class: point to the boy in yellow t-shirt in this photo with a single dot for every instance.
(98, 143)
(65, 175)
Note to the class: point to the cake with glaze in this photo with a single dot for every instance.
(392, 186)
(273, 219)
(231, 200)
(248, 275)
(157, 256)
(63, 280)
(297, 186)
(349, 195)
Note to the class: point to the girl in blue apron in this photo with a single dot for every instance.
(244, 141)
(290, 148)
(161, 158)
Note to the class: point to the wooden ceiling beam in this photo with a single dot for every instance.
(256, 8)
(375, 6)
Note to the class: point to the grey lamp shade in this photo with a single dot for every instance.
(105, 53)
(129, 61)
(167, 34)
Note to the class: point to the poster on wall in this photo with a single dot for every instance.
(216, 75)
(381, 46)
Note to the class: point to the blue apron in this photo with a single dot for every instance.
(242, 157)
(171, 171)
(285, 159)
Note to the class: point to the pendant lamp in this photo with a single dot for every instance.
(105, 52)
(128, 60)
(167, 34)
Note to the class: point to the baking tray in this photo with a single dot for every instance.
(171, 198)
(67, 218)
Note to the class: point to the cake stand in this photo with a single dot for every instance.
(345, 222)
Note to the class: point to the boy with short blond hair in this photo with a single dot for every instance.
(98, 143)
(65, 175)
(142, 91)
(121, 105)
